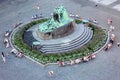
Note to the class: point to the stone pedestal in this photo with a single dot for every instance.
(59, 32)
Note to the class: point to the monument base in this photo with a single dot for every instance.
(57, 33)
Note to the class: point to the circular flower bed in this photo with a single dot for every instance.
(98, 40)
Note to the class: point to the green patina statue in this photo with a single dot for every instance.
(60, 17)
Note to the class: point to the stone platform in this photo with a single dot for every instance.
(78, 38)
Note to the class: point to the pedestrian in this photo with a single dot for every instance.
(51, 73)
(118, 44)
(109, 21)
(7, 45)
(7, 33)
(111, 41)
(95, 21)
(40, 15)
(3, 57)
(14, 51)
(72, 62)
(77, 61)
(109, 45)
(91, 56)
(96, 5)
(37, 6)
(106, 48)
(5, 40)
(111, 28)
(61, 63)
(20, 55)
(112, 37)
(36, 16)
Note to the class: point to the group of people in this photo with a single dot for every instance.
(7, 45)
(93, 20)
(77, 61)
(74, 16)
(17, 53)
(17, 24)
(13, 51)
(110, 43)
(111, 27)
(8, 32)
(6, 40)
(112, 36)
(36, 16)
(88, 58)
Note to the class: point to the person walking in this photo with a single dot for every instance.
(3, 57)
(51, 73)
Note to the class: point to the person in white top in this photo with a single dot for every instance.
(77, 61)
(111, 28)
(118, 44)
(51, 73)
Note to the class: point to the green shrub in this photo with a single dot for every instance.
(78, 21)
(98, 40)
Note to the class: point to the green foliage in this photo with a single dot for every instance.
(78, 21)
(98, 40)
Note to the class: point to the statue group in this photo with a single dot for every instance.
(59, 25)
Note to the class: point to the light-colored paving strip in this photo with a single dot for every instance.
(104, 2)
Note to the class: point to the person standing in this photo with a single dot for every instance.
(37, 6)
(118, 44)
(3, 57)
(109, 21)
(61, 63)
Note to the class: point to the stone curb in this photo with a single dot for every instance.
(13, 46)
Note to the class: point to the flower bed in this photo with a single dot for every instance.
(98, 40)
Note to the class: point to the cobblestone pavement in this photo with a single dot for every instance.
(104, 67)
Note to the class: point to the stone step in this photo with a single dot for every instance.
(73, 41)
(80, 39)
(69, 47)
(65, 50)
(61, 49)
(79, 42)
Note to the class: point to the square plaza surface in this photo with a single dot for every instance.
(104, 67)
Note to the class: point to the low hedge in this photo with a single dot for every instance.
(98, 40)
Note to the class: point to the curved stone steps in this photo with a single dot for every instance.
(81, 39)
(74, 44)
(65, 44)
(71, 43)
(65, 49)
(70, 47)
